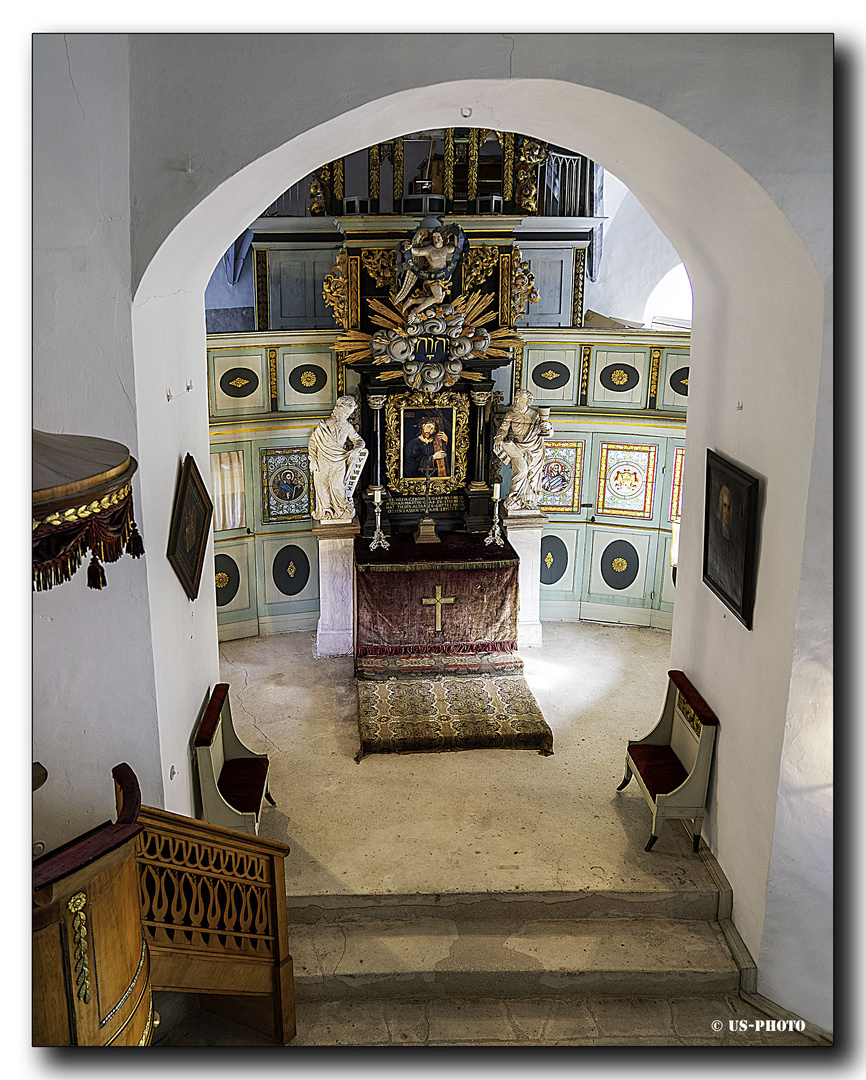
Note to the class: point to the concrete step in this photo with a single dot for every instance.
(375, 956)
(694, 903)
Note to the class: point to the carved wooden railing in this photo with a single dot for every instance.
(213, 914)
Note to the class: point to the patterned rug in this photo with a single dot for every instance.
(412, 715)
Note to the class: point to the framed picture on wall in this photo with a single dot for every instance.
(190, 525)
(730, 536)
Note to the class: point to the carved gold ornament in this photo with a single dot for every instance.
(619, 377)
(291, 569)
(550, 375)
(619, 565)
(77, 513)
(523, 290)
(381, 265)
(81, 971)
(239, 382)
(335, 289)
(221, 580)
(689, 713)
(532, 154)
(478, 264)
(308, 378)
(548, 560)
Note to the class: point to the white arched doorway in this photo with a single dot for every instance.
(756, 331)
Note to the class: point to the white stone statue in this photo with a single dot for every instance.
(520, 440)
(335, 449)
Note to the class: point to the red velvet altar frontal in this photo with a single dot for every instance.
(458, 596)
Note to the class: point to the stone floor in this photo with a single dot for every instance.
(712, 1020)
(474, 823)
(469, 822)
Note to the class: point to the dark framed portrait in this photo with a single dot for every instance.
(427, 443)
(423, 432)
(190, 524)
(731, 536)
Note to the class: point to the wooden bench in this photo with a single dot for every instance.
(233, 781)
(672, 763)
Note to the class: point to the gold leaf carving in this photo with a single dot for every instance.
(478, 264)
(239, 382)
(619, 565)
(548, 560)
(221, 580)
(381, 265)
(335, 289)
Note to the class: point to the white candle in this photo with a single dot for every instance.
(496, 491)
(377, 495)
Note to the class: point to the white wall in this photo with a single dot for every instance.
(94, 702)
(636, 255)
(215, 138)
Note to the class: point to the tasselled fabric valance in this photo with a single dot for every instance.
(82, 502)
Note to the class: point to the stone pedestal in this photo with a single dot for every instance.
(335, 632)
(523, 528)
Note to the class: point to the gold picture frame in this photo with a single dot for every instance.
(404, 415)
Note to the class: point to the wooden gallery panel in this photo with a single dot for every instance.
(238, 382)
(551, 374)
(673, 386)
(306, 379)
(619, 573)
(288, 581)
(296, 278)
(619, 377)
(234, 580)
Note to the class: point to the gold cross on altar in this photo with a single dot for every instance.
(438, 600)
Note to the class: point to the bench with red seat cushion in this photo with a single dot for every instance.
(672, 763)
(233, 780)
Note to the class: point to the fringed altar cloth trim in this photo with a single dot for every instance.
(411, 568)
(451, 648)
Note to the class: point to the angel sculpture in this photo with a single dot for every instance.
(431, 256)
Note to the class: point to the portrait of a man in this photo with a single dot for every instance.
(729, 537)
(427, 443)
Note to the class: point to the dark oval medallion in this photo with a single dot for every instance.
(550, 376)
(619, 377)
(554, 559)
(308, 379)
(291, 569)
(619, 564)
(228, 579)
(679, 381)
(239, 382)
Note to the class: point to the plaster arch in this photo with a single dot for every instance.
(756, 334)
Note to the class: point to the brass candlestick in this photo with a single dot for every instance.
(495, 534)
(378, 540)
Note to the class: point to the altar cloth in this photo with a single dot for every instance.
(454, 598)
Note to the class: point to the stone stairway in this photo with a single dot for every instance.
(510, 946)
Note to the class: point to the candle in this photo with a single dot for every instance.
(377, 495)
(496, 491)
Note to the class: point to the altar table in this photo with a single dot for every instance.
(446, 606)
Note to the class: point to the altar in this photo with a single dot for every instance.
(449, 606)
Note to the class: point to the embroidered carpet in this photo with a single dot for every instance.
(410, 715)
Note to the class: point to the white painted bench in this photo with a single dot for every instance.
(672, 763)
(233, 780)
